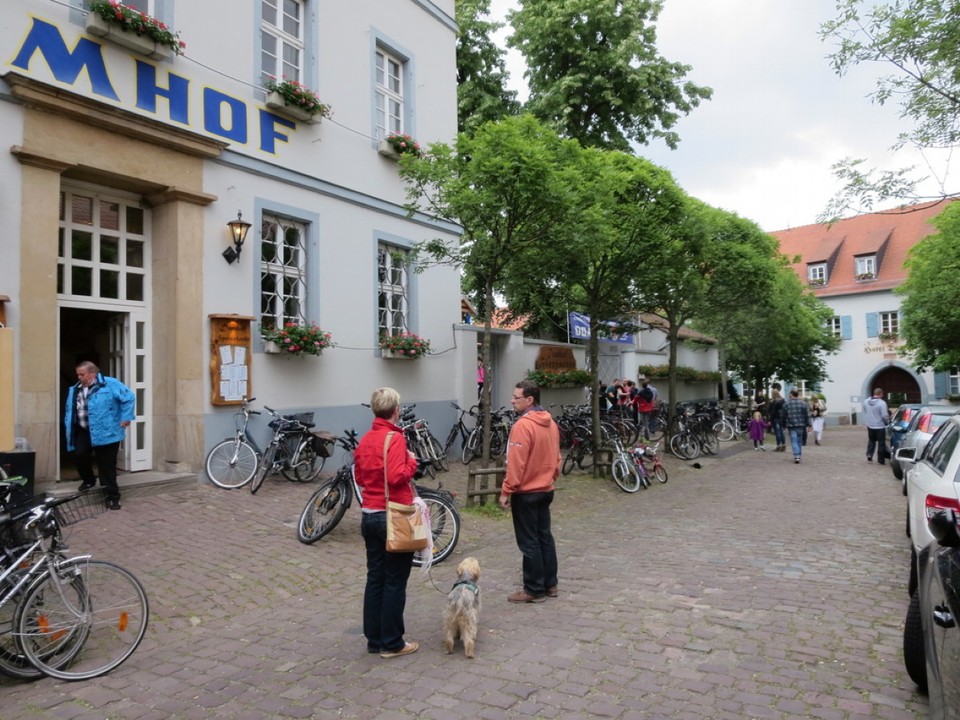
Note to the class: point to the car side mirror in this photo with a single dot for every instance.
(906, 455)
(943, 526)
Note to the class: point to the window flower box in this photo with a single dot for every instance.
(816, 282)
(865, 277)
(405, 346)
(128, 27)
(395, 145)
(888, 336)
(296, 101)
(295, 339)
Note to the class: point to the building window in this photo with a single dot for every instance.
(817, 274)
(283, 271)
(835, 326)
(281, 40)
(890, 324)
(865, 267)
(953, 382)
(392, 290)
(389, 93)
(144, 6)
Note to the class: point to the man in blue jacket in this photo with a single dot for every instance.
(99, 410)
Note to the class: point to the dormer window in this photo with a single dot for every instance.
(817, 274)
(865, 267)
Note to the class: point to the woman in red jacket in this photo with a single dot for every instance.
(387, 573)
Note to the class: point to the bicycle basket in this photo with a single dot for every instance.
(88, 505)
(305, 418)
(323, 443)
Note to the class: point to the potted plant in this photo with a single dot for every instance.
(295, 339)
(395, 144)
(405, 346)
(133, 29)
(865, 276)
(295, 100)
(560, 378)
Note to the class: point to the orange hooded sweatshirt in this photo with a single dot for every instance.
(533, 453)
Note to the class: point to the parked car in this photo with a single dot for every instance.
(923, 424)
(931, 485)
(898, 425)
(931, 637)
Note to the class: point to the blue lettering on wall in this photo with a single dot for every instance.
(213, 103)
(65, 65)
(175, 93)
(268, 133)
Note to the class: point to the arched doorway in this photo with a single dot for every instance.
(898, 385)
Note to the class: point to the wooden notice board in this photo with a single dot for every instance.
(230, 380)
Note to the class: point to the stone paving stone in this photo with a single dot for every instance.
(733, 591)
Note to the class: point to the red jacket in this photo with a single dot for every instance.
(368, 461)
(533, 454)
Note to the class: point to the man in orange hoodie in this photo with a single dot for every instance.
(533, 464)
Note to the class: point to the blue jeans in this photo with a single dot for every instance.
(778, 433)
(531, 525)
(796, 440)
(386, 593)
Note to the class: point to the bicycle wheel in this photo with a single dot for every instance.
(656, 429)
(13, 663)
(625, 475)
(471, 447)
(231, 464)
(709, 442)
(498, 442)
(444, 524)
(724, 430)
(585, 456)
(307, 469)
(324, 509)
(437, 455)
(660, 472)
(266, 462)
(96, 600)
(685, 446)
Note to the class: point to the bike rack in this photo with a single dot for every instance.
(477, 496)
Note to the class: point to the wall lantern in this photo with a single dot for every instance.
(238, 233)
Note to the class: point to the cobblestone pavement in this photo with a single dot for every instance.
(748, 588)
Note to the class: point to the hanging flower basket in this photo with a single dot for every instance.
(132, 29)
(296, 101)
(294, 339)
(405, 346)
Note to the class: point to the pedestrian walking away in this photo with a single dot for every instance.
(876, 416)
(98, 412)
(533, 464)
(796, 419)
(775, 410)
(385, 594)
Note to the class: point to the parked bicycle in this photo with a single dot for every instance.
(327, 506)
(422, 442)
(649, 463)
(70, 618)
(500, 423)
(297, 452)
(460, 430)
(622, 467)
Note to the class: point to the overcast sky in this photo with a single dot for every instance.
(779, 118)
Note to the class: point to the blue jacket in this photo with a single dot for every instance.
(110, 402)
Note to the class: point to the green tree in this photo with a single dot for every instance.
(931, 323)
(920, 41)
(482, 95)
(503, 184)
(594, 71)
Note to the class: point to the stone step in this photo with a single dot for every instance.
(139, 483)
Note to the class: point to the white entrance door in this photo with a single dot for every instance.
(128, 363)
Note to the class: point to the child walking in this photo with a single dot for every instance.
(757, 429)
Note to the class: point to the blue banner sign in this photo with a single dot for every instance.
(580, 329)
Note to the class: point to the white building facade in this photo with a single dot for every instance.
(125, 165)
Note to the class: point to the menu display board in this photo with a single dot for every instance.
(229, 359)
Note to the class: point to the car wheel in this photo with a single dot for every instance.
(913, 656)
(897, 470)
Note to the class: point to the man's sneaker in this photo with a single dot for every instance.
(522, 596)
(86, 486)
(796, 460)
(407, 649)
(113, 504)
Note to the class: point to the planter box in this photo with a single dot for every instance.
(276, 102)
(96, 25)
(386, 149)
(271, 348)
(391, 355)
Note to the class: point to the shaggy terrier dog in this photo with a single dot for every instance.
(463, 608)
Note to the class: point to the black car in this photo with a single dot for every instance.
(931, 638)
(899, 424)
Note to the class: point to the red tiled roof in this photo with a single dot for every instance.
(889, 235)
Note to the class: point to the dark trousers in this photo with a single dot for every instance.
(386, 593)
(531, 525)
(877, 438)
(85, 454)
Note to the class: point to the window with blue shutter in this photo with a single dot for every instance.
(846, 327)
